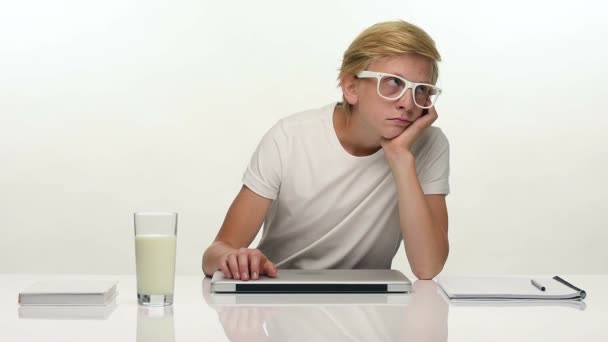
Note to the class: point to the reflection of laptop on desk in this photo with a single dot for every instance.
(308, 299)
(317, 281)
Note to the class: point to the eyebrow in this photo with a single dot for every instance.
(402, 76)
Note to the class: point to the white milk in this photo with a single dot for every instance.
(155, 261)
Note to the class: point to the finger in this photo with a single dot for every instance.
(254, 264)
(225, 269)
(433, 113)
(269, 269)
(426, 120)
(432, 118)
(234, 266)
(244, 265)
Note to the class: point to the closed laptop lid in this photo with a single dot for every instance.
(317, 281)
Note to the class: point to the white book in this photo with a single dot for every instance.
(508, 288)
(69, 292)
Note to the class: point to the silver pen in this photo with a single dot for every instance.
(537, 285)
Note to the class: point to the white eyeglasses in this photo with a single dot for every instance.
(392, 87)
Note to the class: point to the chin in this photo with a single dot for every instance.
(392, 134)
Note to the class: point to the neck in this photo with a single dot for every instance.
(354, 135)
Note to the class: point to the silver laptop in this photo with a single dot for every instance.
(317, 281)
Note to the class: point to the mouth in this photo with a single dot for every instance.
(400, 121)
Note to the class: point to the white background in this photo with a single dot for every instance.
(116, 106)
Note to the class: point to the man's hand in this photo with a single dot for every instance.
(401, 145)
(246, 263)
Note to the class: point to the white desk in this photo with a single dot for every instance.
(198, 315)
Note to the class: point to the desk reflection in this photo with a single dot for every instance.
(155, 324)
(419, 316)
(67, 312)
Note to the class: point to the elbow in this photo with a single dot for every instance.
(429, 271)
(207, 270)
(426, 274)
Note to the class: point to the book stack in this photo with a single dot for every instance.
(68, 299)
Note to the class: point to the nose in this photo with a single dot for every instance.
(407, 101)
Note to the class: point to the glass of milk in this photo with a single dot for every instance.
(155, 240)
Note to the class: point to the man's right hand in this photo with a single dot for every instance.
(245, 264)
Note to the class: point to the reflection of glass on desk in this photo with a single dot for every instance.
(155, 324)
(420, 316)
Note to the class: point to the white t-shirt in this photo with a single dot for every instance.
(332, 209)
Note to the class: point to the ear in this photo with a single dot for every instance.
(348, 83)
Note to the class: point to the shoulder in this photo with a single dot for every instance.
(307, 119)
(301, 126)
(431, 141)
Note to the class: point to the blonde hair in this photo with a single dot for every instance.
(387, 39)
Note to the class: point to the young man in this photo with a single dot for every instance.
(342, 185)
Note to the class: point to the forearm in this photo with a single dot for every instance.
(212, 256)
(426, 242)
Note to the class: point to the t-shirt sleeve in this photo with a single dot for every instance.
(435, 173)
(263, 174)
